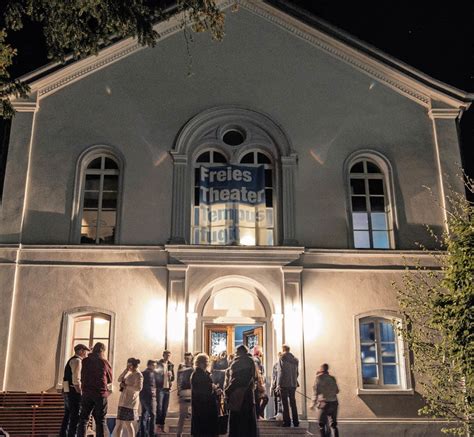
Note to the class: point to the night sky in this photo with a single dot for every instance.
(437, 39)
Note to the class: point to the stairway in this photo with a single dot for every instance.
(267, 428)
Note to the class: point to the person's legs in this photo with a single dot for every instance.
(65, 423)
(183, 413)
(263, 405)
(87, 405)
(322, 420)
(294, 409)
(129, 427)
(119, 426)
(159, 407)
(74, 410)
(332, 414)
(99, 413)
(166, 402)
(286, 408)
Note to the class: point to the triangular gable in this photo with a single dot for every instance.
(391, 72)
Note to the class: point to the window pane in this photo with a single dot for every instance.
(358, 167)
(106, 235)
(376, 186)
(197, 176)
(357, 186)
(82, 328)
(101, 327)
(218, 342)
(361, 239)
(96, 163)
(204, 157)
(269, 197)
(219, 157)
(379, 221)
(269, 237)
(377, 204)
(196, 216)
(263, 159)
(92, 182)
(372, 168)
(389, 353)
(91, 199)
(369, 373)
(367, 331)
(390, 374)
(380, 240)
(111, 182)
(269, 217)
(89, 218)
(108, 218)
(110, 164)
(196, 196)
(247, 236)
(368, 354)
(360, 220)
(387, 332)
(109, 202)
(359, 203)
(268, 178)
(88, 235)
(248, 158)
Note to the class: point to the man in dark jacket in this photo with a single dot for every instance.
(239, 391)
(148, 400)
(164, 381)
(96, 374)
(287, 382)
(72, 391)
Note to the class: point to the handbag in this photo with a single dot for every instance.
(222, 420)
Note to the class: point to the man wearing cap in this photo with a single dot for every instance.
(72, 391)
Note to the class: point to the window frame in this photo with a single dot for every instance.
(83, 162)
(67, 333)
(234, 154)
(403, 361)
(390, 205)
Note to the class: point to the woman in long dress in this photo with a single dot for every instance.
(204, 400)
(131, 383)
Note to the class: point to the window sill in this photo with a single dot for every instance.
(387, 391)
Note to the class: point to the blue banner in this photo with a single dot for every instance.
(231, 204)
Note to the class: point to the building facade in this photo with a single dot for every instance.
(102, 230)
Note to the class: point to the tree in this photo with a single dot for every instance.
(438, 308)
(79, 28)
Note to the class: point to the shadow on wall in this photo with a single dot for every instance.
(394, 406)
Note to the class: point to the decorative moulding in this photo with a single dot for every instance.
(404, 83)
(451, 113)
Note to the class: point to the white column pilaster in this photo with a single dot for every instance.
(180, 191)
(288, 164)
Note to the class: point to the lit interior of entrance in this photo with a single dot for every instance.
(227, 338)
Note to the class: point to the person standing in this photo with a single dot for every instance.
(287, 382)
(275, 393)
(148, 400)
(131, 383)
(261, 397)
(218, 368)
(239, 391)
(164, 381)
(184, 390)
(325, 392)
(96, 374)
(72, 391)
(204, 400)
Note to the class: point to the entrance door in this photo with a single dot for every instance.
(253, 337)
(219, 338)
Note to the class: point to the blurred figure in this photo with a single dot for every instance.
(72, 391)
(204, 402)
(275, 393)
(218, 368)
(96, 375)
(185, 370)
(240, 388)
(131, 383)
(287, 382)
(261, 397)
(325, 392)
(148, 400)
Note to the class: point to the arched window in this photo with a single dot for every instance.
(370, 206)
(264, 235)
(99, 200)
(208, 158)
(381, 354)
(89, 329)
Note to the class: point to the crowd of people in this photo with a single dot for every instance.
(209, 390)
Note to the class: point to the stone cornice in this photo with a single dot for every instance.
(25, 106)
(234, 255)
(450, 113)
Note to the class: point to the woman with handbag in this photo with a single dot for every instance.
(204, 400)
(240, 395)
